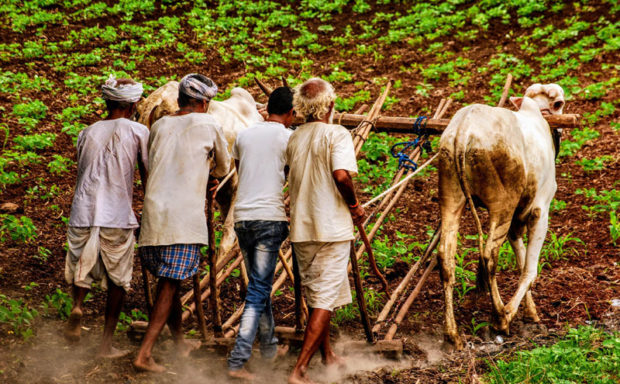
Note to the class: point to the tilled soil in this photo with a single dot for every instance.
(575, 289)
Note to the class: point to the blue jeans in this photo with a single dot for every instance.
(260, 242)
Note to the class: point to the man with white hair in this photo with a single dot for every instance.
(174, 225)
(323, 208)
(100, 235)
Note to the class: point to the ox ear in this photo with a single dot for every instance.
(516, 101)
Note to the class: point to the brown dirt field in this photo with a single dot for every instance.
(568, 292)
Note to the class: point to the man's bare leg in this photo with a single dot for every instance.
(116, 295)
(328, 356)
(166, 289)
(318, 324)
(73, 328)
(175, 323)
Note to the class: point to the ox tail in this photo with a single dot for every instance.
(459, 161)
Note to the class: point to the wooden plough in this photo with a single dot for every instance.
(401, 298)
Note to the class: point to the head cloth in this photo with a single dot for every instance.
(198, 87)
(130, 93)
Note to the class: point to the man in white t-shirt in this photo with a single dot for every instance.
(100, 236)
(174, 225)
(261, 223)
(321, 158)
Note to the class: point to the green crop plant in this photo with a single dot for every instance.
(562, 247)
(585, 355)
(125, 320)
(557, 205)
(30, 113)
(36, 141)
(61, 302)
(19, 229)
(42, 254)
(607, 200)
(18, 315)
(614, 227)
(595, 164)
(350, 312)
(60, 164)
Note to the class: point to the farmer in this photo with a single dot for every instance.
(174, 223)
(261, 223)
(100, 235)
(323, 207)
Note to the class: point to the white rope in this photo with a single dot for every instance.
(379, 197)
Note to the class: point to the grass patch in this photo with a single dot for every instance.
(585, 355)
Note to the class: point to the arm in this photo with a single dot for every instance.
(144, 174)
(344, 183)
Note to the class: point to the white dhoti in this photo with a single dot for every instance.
(94, 253)
(323, 272)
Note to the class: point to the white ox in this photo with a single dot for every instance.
(234, 115)
(503, 161)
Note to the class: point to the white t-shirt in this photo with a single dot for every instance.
(318, 211)
(261, 151)
(179, 166)
(107, 153)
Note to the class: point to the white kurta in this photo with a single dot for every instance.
(179, 167)
(107, 155)
(318, 211)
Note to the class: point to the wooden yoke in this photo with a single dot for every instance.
(394, 124)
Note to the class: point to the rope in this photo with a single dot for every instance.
(404, 161)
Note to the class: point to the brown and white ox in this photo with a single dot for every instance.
(503, 161)
(234, 115)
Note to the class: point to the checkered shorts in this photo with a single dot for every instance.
(176, 261)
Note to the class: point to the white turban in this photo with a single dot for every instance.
(198, 87)
(130, 93)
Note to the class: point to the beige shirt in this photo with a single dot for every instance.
(179, 166)
(107, 153)
(318, 211)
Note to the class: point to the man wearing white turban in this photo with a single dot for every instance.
(100, 233)
(174, 223)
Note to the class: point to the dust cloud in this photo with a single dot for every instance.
(48, 358)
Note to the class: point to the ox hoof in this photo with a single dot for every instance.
(452, 343)
(502, 326)
(531, 317)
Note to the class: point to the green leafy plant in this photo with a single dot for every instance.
(125, 320)
(584, 355)
(60, 164)
(18, 315)
(20, 230)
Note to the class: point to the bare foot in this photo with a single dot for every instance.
(73, 328)
(333, 359)
(281, 351)
(148, 365)
(186, 346)
(298, 378)
(112, 353)
(242, 374)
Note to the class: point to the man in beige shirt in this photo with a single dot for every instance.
(323, 207)
(173, 222)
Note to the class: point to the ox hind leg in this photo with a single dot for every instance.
(498, 229)
(450, 218)
(515, 237)
(452, 203)
(537, 224)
